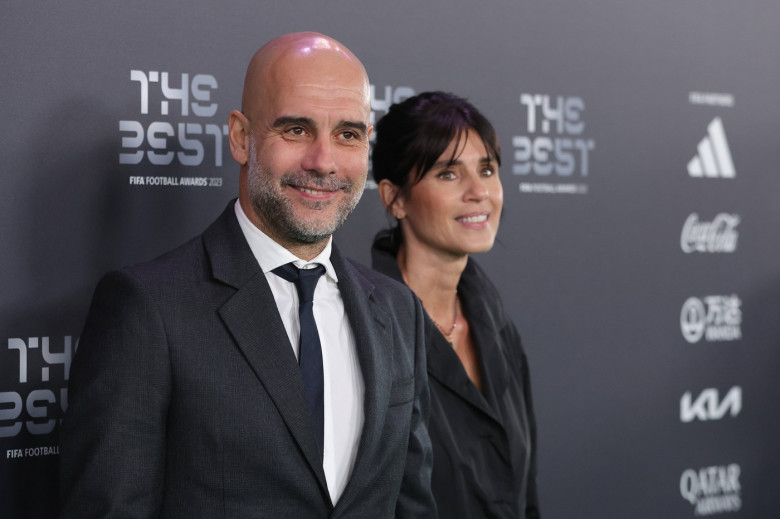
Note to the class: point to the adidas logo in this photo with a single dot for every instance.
(714, 157)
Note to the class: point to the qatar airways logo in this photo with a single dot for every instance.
(712, 490)
(718, 236)
(712, 318)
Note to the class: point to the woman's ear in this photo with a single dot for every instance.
(391, 198)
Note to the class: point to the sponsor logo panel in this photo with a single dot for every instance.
(37, 370)
(713, 157)
(711, 99)
(176, 124)
(552, 156)
(715, 489)
(708, 406)
(712, 318)
(712, 490)
(717, 236)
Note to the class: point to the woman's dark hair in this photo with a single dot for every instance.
(414, 134)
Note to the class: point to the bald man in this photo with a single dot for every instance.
(196, 391)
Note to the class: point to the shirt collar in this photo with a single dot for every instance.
(270, 254)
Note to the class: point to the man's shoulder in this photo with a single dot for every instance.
(185, 263)
(380, 282)
(192, 261)
(391, 296)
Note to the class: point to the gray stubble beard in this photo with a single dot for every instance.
(276, 211)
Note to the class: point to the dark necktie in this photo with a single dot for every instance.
(310, 354)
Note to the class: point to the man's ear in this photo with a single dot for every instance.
(391, 198)
(240, 131)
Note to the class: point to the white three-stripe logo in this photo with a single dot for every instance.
(713, 158)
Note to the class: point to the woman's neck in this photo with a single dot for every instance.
(434, 278)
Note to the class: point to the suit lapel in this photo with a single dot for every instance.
(252, 318)
(373, 342)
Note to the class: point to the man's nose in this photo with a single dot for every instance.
(319, 157)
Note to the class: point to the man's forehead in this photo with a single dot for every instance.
(318, 114)
(326, 69)
(306, 68)
(315, 97)
(308, 44)
(304, 45)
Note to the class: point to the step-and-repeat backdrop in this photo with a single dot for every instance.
(639, 252)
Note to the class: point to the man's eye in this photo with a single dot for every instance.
(349, 136)
(297, 131)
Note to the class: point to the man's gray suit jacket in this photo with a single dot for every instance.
(186, 400)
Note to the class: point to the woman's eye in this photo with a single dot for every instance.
(446, 175)
(488, 172)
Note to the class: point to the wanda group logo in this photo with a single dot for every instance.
(712, 318)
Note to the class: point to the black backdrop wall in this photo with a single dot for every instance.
(638, 251)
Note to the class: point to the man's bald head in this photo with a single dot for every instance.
(302, 139)
(284, 58)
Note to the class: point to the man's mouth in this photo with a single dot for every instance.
(316, 187)
(310, 191)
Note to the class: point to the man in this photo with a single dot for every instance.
(186, 394)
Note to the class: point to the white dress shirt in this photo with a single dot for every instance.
(343, 379)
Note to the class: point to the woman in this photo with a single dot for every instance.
(436, 162)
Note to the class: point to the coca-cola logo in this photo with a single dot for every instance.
(719, 235)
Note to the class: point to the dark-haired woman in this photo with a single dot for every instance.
(436, 162)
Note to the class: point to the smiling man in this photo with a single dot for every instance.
(254, 372)
(302, 140)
